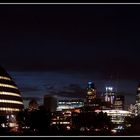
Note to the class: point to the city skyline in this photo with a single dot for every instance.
(48, 83)
(71, 44)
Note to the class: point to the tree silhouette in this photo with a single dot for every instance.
(91, 121)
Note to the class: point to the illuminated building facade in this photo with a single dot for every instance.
(138, 100)
(69, 104)
(61, 117)
(117, 116)
(110, 96)
(11, 101)
(91, 94)
(119, 102)
(64, 118)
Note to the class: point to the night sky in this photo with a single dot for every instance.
(57, 49)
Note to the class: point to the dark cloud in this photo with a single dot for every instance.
(31, 98)
(29, 88)
(49, 88)
(71, 91)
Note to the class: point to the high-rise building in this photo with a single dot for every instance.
(138, 100)
(119, 102)
(93, 102)
(91, 93)
(11, 101)
(110, 96)
(50, 103)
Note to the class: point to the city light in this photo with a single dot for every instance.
(10, 101)
(109, 89)
(9, 93)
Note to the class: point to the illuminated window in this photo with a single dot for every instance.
(9, 93)
(5, 78)
(10, 101)
(6, 85)
(8, 109)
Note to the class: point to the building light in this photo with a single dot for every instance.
(65, 122)
(10, 101)
(68, 127)
(9, 93)
(9, 86)
(4, 78)
(109, 88)
(8, 109)
(3, 125)
(114, 131)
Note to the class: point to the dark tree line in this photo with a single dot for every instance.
(38, 121)
(92, 121)
(134, 126)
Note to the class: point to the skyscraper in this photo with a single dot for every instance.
(91, 93)
(119, 102)
(110, 96)
(92, 101)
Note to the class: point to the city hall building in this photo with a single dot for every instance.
(11, 101)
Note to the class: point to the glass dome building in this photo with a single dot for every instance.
(11, 101)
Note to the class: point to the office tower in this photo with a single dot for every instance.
(50, 103)
(92, 101)
(91, 93)
(110, 96)
(10, 98)
(119, 102)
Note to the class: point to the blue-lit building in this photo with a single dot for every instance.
(91, 94)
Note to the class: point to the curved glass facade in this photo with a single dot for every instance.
(11, 101)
